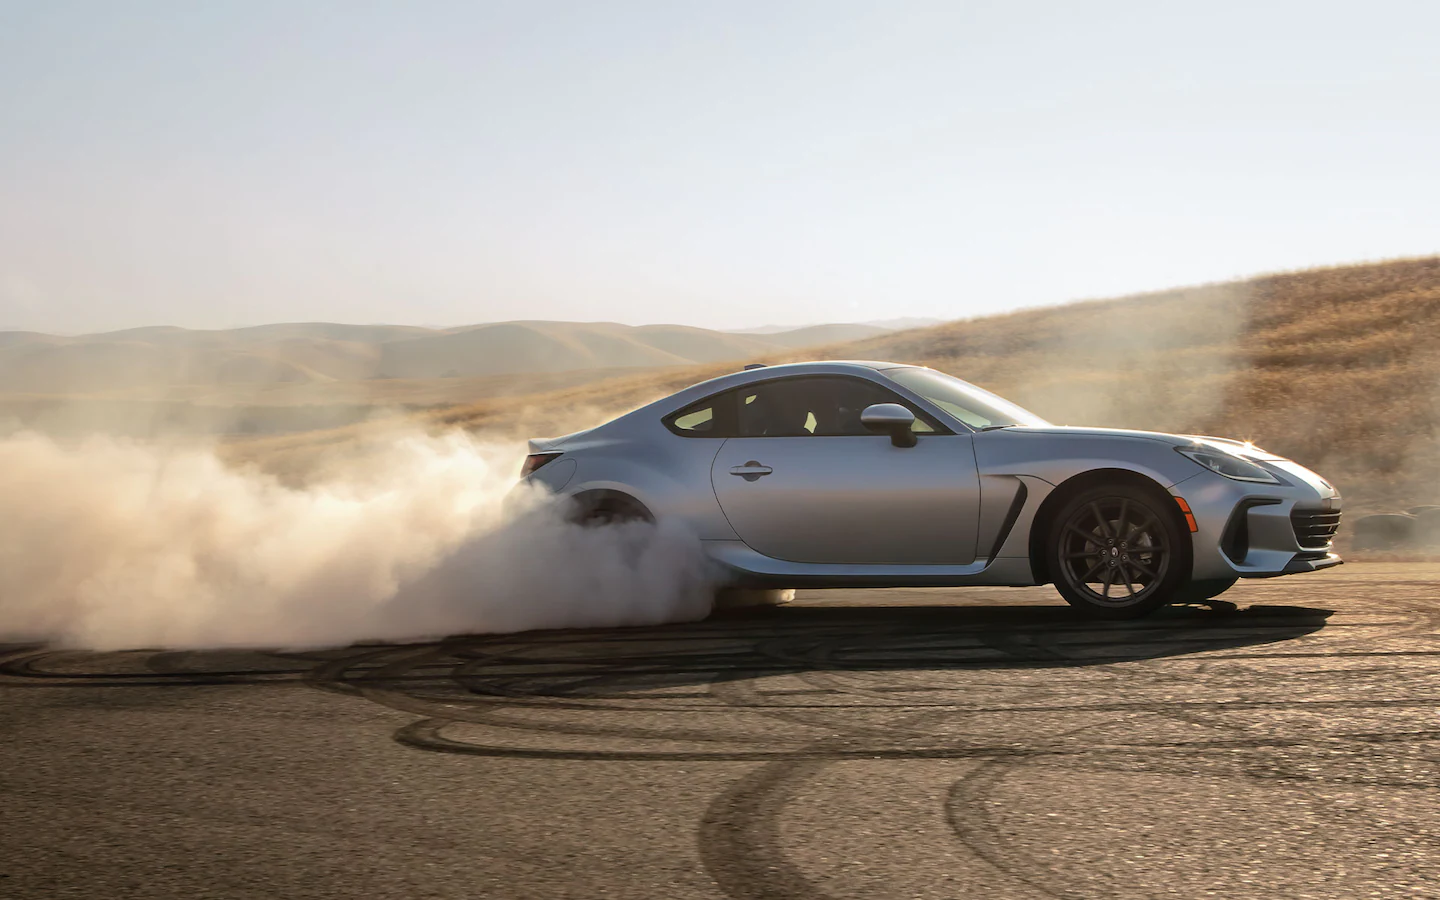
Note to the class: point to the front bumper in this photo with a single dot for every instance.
(1259, 530)
(1299, 566)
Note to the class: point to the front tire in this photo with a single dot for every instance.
(1117, 552)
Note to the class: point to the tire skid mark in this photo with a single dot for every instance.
(889, 685)
(740, 841)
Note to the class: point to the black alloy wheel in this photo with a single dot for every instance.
(1115, 553)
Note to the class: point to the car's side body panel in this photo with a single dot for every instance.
(751, 569)
(668, 475)
(852, 499)
(955, 509)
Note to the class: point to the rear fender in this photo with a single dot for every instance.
(674, 488)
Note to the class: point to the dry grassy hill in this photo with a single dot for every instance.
(1339, 368)
(161, 360)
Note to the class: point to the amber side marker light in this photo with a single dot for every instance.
(1189, 516)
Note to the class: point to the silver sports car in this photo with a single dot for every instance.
(876, 474)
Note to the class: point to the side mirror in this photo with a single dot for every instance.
(892, 419)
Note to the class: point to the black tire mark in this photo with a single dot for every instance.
(971, 822)
(739, 836)
(547, 687)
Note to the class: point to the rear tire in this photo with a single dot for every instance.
(741, 598)
(598, 510)
(1117, 551)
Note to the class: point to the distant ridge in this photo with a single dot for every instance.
(304, 352)
(861, 329)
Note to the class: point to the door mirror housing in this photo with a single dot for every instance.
(892, 419)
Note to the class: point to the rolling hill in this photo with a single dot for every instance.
(1338, 368)
(304, 353)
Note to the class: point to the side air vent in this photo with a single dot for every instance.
(1235, 539)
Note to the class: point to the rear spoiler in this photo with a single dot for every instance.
(542, 445)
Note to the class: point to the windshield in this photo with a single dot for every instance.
(974, 406)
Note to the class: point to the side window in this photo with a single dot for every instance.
(822, 406)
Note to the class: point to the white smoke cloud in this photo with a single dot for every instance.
(109, 544)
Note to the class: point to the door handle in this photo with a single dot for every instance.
(751, 470)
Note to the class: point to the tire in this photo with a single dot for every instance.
(599, 510)
(1117, 551)
(743, 598)
(1384, 531)
(1203, 589)
(1427, 529)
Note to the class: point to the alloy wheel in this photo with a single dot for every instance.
(1114, 551)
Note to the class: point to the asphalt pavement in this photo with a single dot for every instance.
(983, 743)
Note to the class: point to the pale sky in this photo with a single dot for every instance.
(724, 164)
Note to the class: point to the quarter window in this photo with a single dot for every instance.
(697, 421)
(703, 419)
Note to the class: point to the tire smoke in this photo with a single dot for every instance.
(111, 544)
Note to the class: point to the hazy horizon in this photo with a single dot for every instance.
(765, 328)
(234, 164)
(737, 329)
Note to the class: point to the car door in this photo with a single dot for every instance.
(805, 482)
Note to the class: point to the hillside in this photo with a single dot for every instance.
(1339, 368)
(165, 358)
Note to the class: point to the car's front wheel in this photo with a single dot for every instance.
(1117, 552)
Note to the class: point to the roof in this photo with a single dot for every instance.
(747, 376)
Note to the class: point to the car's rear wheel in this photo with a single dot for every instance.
(743, 598)
(1116, 552)
(601, 509)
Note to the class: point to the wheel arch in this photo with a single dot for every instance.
(595, 502)
(1055, 501)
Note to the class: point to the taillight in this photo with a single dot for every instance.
(534, 461)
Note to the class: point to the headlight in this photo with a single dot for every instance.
(1222, 463)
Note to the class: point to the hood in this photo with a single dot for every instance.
(1229, 445)
(1078, 431)
(1238, 448)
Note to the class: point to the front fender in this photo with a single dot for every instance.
(1056, 458)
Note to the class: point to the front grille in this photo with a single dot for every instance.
(1315, 528)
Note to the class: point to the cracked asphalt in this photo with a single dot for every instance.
(857, 744)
